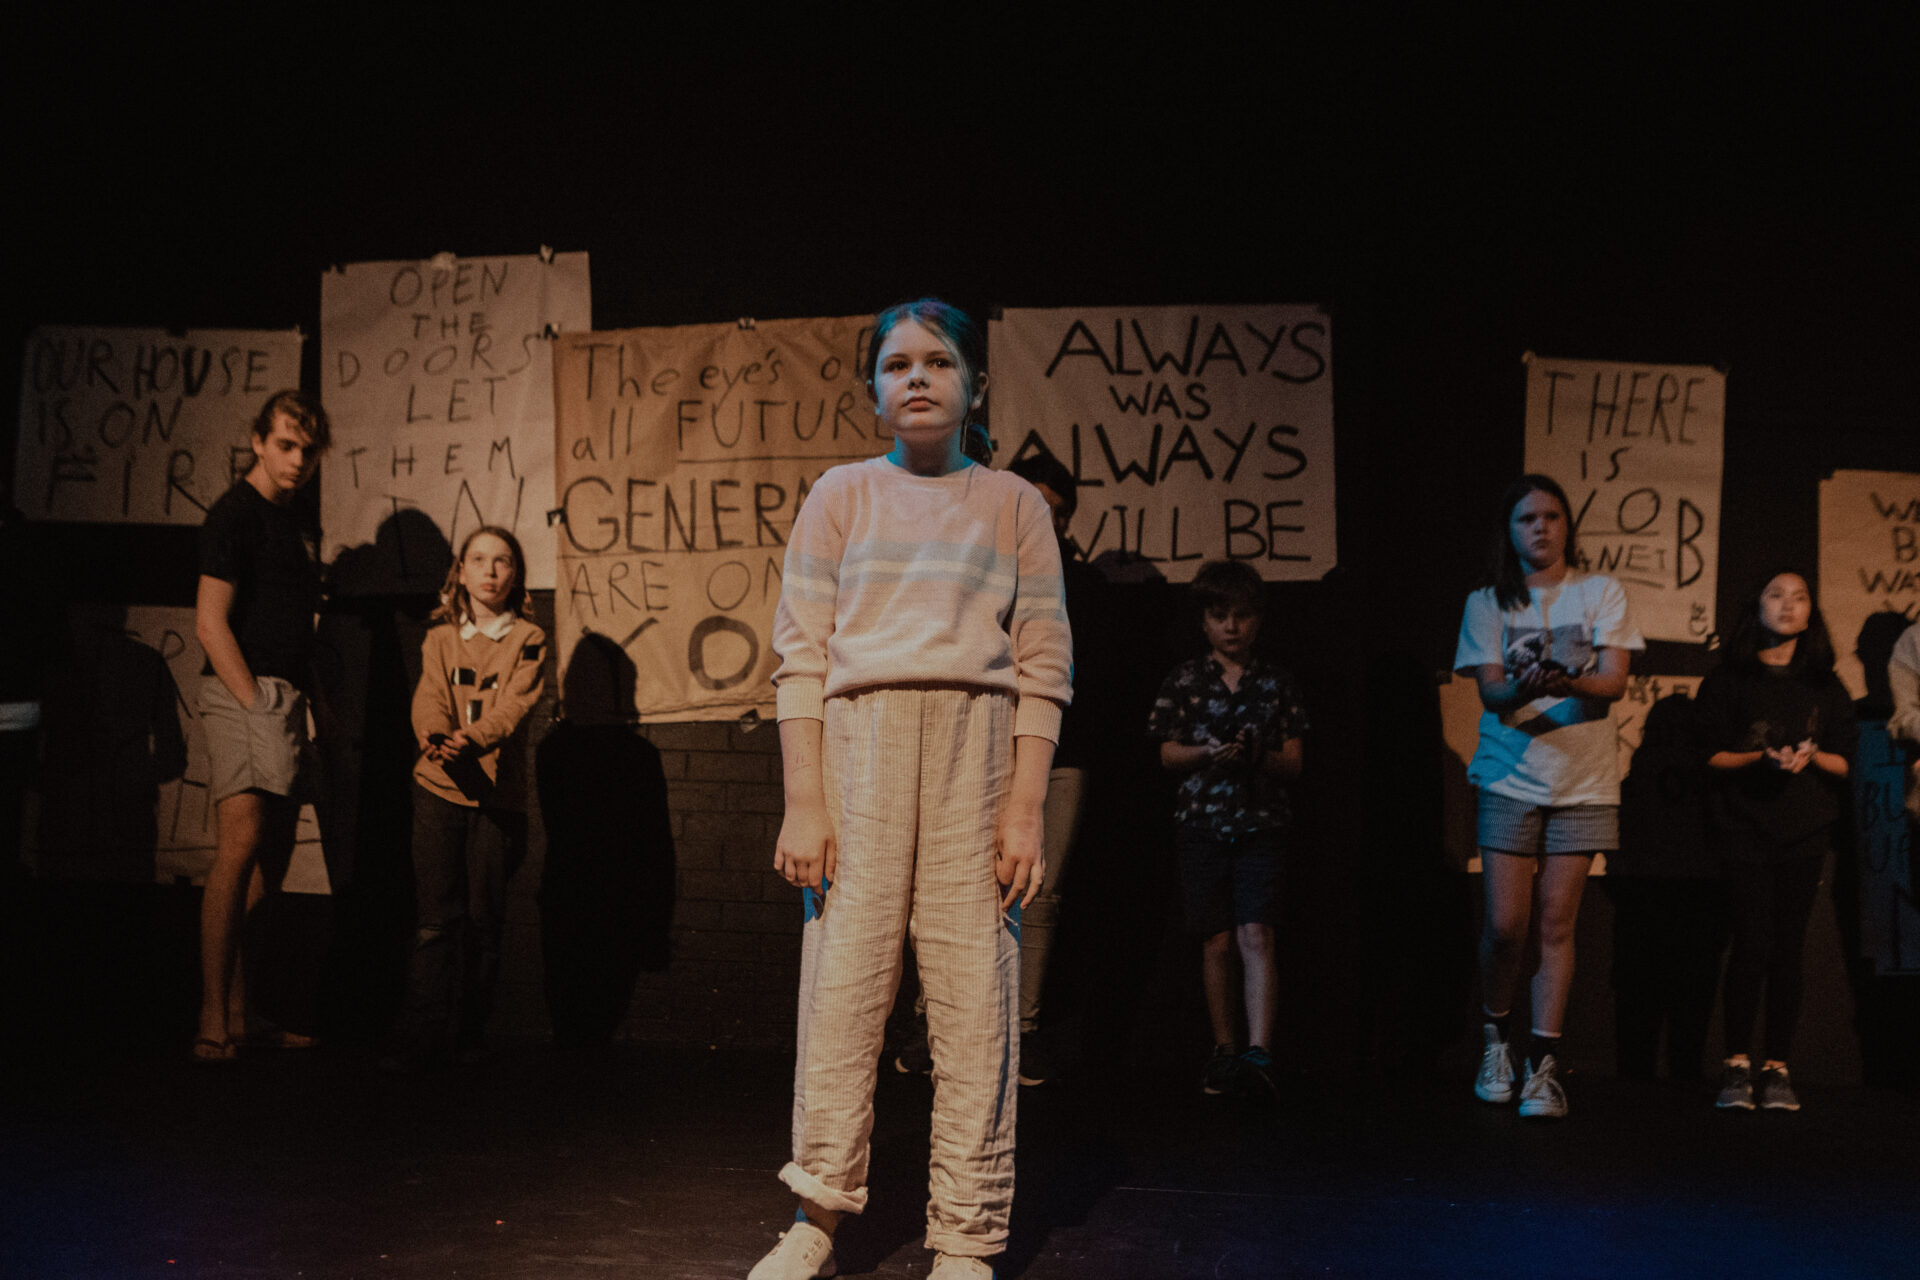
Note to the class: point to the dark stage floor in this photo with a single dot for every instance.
(660, 1165)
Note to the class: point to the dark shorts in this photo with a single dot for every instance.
(1226, 880)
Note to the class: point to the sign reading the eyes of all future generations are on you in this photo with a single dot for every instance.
(682, 456)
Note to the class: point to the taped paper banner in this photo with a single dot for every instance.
(1196, 433)
(141, 426)
(682, 456)
(437, 376)
(1638, 450)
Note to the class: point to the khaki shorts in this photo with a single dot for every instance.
(257, 748)
(1529, 830)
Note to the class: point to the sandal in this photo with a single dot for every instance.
(283, 1040)
(214, 1053)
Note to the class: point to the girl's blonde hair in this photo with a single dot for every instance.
(454, 604)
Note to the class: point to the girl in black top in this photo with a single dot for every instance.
(1781, 729)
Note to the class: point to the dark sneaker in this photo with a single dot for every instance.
(1036, 1067)
(1256, 1074)
(1223, 1071)
(1736, 1088)
(1776, 1091)
(915, 1058)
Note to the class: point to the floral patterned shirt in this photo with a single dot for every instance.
(1195, 706)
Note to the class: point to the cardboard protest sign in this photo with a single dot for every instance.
(1195, 433)
(123, 793)
(682, 455)
(438, 380)
(1460, 709)
(1638, 449)
(141, 426)
(1869, 559)
(1889, 899)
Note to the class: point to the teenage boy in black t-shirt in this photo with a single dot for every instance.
(259, 588)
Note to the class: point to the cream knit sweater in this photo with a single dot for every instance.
(893, 578)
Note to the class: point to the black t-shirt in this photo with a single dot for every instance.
(1764, 807)
(259, 547)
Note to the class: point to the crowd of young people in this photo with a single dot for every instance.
(926, 667)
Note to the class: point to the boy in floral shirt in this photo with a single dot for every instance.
(1231, 725)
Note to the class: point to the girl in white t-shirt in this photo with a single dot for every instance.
(1548, 644)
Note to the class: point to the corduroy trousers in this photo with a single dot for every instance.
(915, 779)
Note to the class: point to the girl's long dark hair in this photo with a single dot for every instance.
(955, 328)
(1505, 574)
(1812, 659)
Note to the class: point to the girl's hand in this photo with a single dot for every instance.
(457, 745)
(1789, 759)
(805, 853)
(1018, 862)
(1223, 752)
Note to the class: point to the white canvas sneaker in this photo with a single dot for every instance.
(1541, 1097)
(805, 1252)
(1495, 1081)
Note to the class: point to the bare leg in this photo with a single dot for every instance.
(241, 819)
(1260, 980)
(1557, 893)
(1508, 882)
(1216, 971)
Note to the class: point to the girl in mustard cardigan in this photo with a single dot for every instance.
(480, 674)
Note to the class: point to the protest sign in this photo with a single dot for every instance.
(1637, 447)
(1195, 433)
(123, 792)
(141, 426)
(1889, 903)
(438, 379)
(1869, 562)
(682, 455)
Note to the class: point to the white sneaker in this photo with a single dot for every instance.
(1541, 1097)
(952, 1266)
(1495, 1081)
(805, 1252)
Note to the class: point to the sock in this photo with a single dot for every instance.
(1503, 1023)
(1542, 1045)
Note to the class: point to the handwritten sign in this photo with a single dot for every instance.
(1196, 433)
(1869, 557)
(1638, 450)
(141, 426)
(682, 455)
(1460, 709)
(124, 790)
(1889, 903)
(438, 380)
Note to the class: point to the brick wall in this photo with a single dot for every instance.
(736, 923)
(735, 965)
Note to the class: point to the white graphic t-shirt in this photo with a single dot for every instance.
(1552, 751)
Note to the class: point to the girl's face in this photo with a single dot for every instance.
(1786, 605)
(920, 387)
(488, 572)
(1538, 527)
